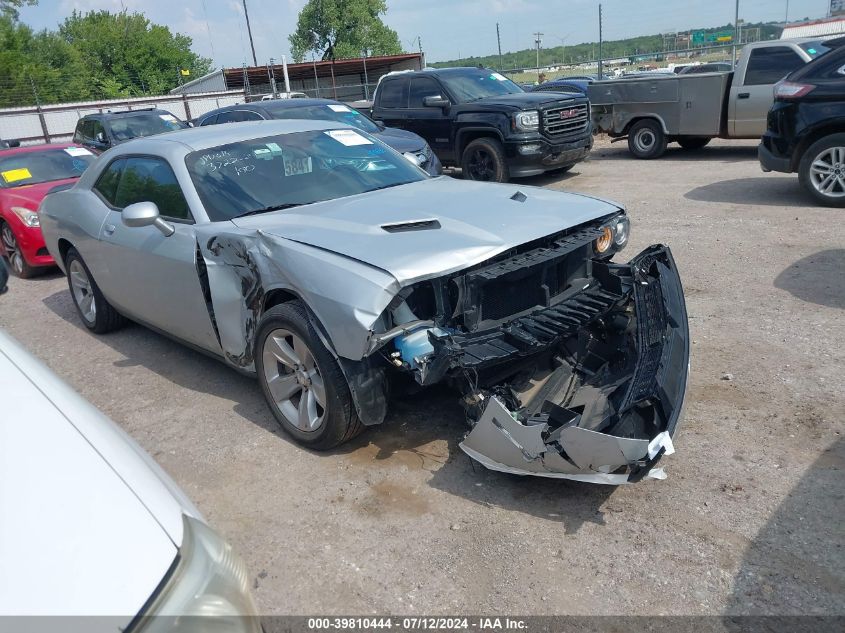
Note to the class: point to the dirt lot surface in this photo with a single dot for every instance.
(750, 519)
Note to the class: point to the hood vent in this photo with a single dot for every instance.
(411, 225)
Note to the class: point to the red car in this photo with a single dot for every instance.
(27, 174)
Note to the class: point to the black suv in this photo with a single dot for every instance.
(101, 131)
(484, 123)
(806, 126)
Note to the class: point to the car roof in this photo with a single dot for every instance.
(200, 138)
(269, 106)
(35, 148)
(124, 113)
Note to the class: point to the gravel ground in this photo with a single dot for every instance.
(400, 521)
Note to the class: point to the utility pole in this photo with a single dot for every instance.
(366, 79)
(538, 41)
(736, 31)
(600, 43)
(499, 40)
(786, 16)
(249, 30)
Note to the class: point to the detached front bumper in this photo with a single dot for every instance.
(608, 415)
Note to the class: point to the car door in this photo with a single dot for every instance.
(752, 97)
(147, 276)
(432, 123)
(392, 106)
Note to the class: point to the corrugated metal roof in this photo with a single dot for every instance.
(815, 28)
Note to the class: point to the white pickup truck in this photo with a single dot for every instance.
(691, 109)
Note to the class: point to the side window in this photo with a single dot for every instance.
(233, 116)
(77, 134)
(148, 179)
(210, 120)
(106, 184)
(393, 94)
(770, 65)
(422, 87)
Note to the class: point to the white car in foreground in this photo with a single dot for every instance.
(92, 526)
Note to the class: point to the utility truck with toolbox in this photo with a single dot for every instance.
(692, 109)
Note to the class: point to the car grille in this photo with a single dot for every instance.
(504, 297)
(566, 120)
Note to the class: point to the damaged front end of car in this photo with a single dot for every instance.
(569, 365)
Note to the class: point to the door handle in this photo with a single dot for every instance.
(108, 229)
(744, 95)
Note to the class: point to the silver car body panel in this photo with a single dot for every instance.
(209, 283)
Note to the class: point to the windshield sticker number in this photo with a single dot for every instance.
(14, 175)
(78, 151)
(498, 77)
(338, 108)
(297, 166)
(167, 117)
(349, 138)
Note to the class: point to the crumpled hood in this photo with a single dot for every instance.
(400, 140)
(353, 226)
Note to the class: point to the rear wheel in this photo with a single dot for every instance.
(646, 139)
(302, 382)
(694, 142)
(13, 252)
(96, 313)
(484, 159)
(822, 170)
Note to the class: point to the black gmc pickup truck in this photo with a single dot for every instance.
(479, 120)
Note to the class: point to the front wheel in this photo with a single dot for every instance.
(484, 159)
(822, 170)
(16, 259)
(301, 381)
(646, 139)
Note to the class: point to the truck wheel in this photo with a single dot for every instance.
(694, 142)
(302, 382)
(484, 159)
(822, 170)
(646, 139)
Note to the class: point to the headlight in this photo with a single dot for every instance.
(27, 216)
(614, 235)
(526, 121)
(209, 582)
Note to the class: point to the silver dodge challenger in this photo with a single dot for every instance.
(317, 258)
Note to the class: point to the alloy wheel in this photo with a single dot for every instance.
(827, 173)
(481, 165)
(12, 251)
(83, 293)
(294, 380)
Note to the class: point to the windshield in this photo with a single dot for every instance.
(814, 49)
(30, 168)
(287, 170)
(328, 112)
(472, 84)
(127, 127)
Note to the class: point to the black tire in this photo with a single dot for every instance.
(829, 150)
(105, 318)
(694, 142)
(339, 422)
(17, 262)
(484, 159)
(646, 139)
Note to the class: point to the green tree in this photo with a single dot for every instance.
(10, 7)
(338, 29)
(128, 55)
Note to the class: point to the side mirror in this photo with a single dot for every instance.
(100, 137)
(436, 102)
(146, 214)
(380, 124)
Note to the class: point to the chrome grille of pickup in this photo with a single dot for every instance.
(565, 120)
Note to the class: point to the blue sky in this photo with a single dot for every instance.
(448, 28)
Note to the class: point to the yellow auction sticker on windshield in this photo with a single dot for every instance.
(14, 175)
